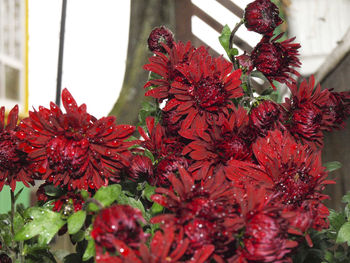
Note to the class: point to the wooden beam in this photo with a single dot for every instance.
(232, 7)
(334, 58)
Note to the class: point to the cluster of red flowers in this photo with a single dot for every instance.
(238, 182)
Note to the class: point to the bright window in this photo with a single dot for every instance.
(13, 53)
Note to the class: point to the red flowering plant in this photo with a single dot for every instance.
(220, 172)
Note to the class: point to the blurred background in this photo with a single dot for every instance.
(105, 48)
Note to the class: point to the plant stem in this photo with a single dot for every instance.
(12, 219)
(233, 32)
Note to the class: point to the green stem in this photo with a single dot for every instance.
(12, 219)
(233, 32)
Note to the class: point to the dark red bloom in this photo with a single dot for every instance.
(206, 212)
(310, 214)
(245, 62)
(141, 168)
(4, 258)
(295, 169)
(336, 110)
(74, 149)
(305, 118)
(206, 95)
(117, 222)
(167, 245)
(266, 228)
(213, 148)
(265, 116)
(158, 36)
(13, 161)
(262, 16)
(276, 59)
(72, 202)
(157, 141)
(166, 150)
(165, 168)
(166, 68)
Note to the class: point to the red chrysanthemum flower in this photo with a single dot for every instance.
(158, 36)
(166, 150)
(266, 229)
(305, 118)
(166, 246)
(141, 167)
(262, 16)
(70, 201)
(310, 214)
(276, 59)
(206, 212)
(165, 168)
(117, 222)
(295, 169)
(166, 68)
(206, 95)
(336, 110)
(4, 258)
(74, 149)
(265, 116)
(13, 161)
(245, 62)
(213, 148)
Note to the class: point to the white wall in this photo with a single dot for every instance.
(94, 51)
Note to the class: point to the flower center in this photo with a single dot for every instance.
(294, 186)
(8, 154)
(209, 93)
(68, 155)
(232, 147)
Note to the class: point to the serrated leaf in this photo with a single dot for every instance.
(344, 234)
(76, 221)
(224, 38)
(90, 250)
(106, 196)
(332, 166)
(45, 224)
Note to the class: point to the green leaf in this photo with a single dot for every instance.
(346, 198)
(90, 250)
(156, 208)
(336, 219)
(52, 190)
(18, 193)
(149, 154)
(106, 195)
(224, 38)
(344, 234)
(76, 221)
(332, 166)
(79, 236)
(233, 51)
(44, 223)
(148, 191)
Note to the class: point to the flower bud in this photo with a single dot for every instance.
(158, 36)
(261, 16)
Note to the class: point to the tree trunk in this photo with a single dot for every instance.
(145, 15)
